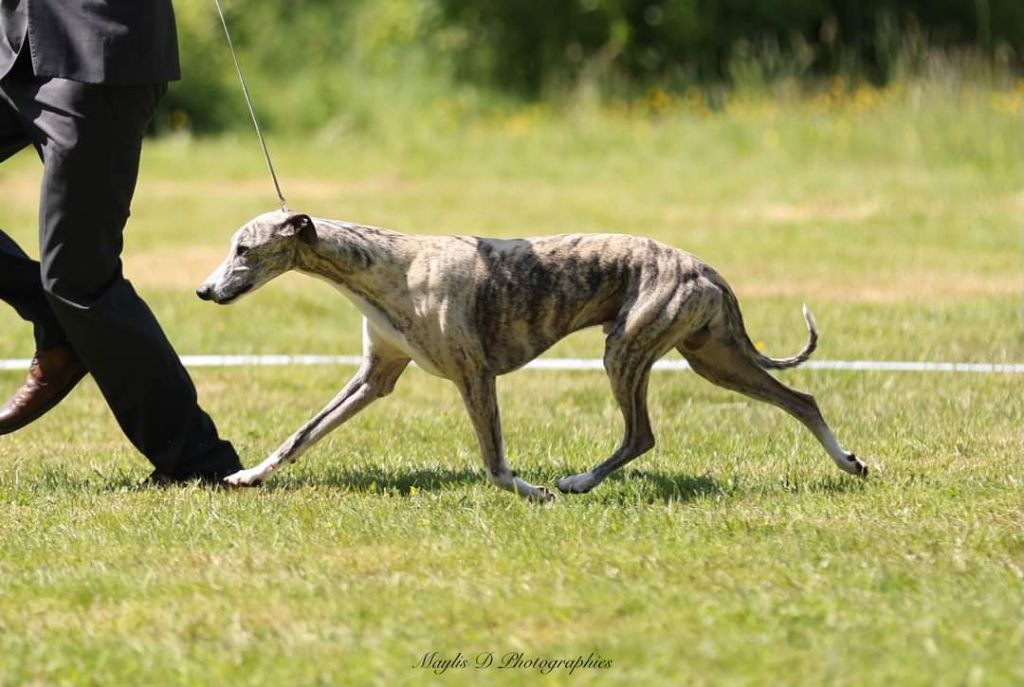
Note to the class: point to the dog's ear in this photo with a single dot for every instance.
(300, 226)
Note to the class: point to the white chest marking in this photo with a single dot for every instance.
(384, 328)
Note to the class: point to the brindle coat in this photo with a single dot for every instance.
(469, 309)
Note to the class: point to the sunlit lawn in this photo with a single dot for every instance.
(734, 553)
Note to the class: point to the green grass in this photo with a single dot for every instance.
(734, 553)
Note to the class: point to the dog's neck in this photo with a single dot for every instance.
(352, 255)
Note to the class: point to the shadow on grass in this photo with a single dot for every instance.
(653, 486)
(628, 486)
(661, 486)
(375, 480)
(835, 484)
(624, 487)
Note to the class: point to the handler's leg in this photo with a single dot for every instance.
(20, 286)
(91, 139)
(55, 369)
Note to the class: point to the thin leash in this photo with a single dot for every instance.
(252, 110)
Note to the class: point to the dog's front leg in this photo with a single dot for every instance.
(376, 378)
(481, 399)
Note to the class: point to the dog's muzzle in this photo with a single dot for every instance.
(206, 293)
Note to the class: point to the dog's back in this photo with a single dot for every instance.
(523, 295)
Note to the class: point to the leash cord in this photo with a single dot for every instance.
(252, 110)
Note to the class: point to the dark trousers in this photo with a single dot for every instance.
(89, 138)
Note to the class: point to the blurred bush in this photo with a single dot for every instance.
(531, 45)
(309, 63)
(334, 66)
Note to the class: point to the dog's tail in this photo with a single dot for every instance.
(800, 358)
(750, 350)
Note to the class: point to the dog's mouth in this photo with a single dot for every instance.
(235, 296)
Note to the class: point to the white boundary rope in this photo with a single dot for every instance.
(570, 364)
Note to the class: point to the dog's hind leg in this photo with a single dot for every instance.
(481, 399)
(722, 362)
(376, 378)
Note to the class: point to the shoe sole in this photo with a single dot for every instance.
(72, 383)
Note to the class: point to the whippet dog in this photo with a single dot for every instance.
(469, 309)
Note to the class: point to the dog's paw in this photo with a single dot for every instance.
(859, 465)
(577, 484)
(544, 495)
(244, 478)
(853, 465)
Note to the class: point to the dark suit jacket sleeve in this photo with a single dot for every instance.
(102, 41)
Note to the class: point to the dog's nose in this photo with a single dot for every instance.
(205, 292)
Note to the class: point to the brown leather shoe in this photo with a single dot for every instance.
(52, 375)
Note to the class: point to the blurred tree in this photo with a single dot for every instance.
(319, 63)
(526, 44)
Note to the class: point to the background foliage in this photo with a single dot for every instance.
(526, 45)
(340, 66)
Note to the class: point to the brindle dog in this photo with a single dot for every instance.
(469, 309)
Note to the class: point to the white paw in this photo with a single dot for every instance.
(245, 478)
(529, 491)
(543, 495)
(853, 465)
(577, 484)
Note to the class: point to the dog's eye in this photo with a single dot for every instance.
(241, 250)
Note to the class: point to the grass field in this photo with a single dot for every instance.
(734, 554)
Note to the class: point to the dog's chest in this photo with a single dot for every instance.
(384, 330)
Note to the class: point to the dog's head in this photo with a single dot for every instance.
(261, 250)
